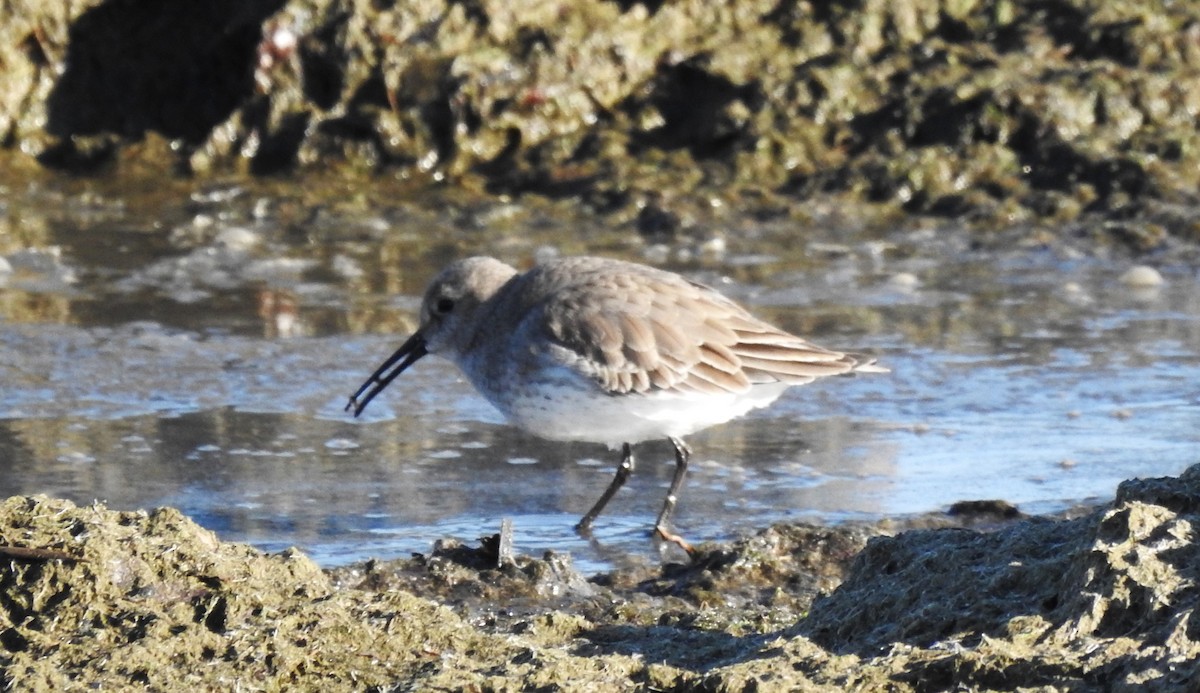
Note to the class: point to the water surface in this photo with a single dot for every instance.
(196, 349)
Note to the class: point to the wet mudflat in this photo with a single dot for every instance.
(195, 349)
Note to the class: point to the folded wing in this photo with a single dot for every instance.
(655, 331)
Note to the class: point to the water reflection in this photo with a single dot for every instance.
(199, 355)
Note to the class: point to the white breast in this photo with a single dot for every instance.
(561, 404)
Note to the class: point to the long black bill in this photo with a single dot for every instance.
(408, 354)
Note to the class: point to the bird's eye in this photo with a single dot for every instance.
(444, 305)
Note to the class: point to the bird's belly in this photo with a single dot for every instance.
(565, 411)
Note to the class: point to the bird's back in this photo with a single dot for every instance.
(633, 329)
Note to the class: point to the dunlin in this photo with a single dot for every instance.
(599, 350)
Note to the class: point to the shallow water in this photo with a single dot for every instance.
(197, 349)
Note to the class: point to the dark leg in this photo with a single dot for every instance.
(623, 470)
(682, 453)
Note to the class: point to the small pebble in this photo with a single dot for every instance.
(714, 246)
(981, 508)
(904, 281)
(346, 267)
(1142, 275)
(237, 238)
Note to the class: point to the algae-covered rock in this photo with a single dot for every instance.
(95, 598)
(1002, 113)
(1107, 599)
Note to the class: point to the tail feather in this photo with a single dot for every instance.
(866, 364)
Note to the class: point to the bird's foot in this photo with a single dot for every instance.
(667, 535)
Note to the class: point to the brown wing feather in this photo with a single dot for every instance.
(643, 330)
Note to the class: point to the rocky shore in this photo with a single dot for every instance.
(1069, 117)
(98, 598)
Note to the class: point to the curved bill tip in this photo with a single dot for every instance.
(409, 353)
